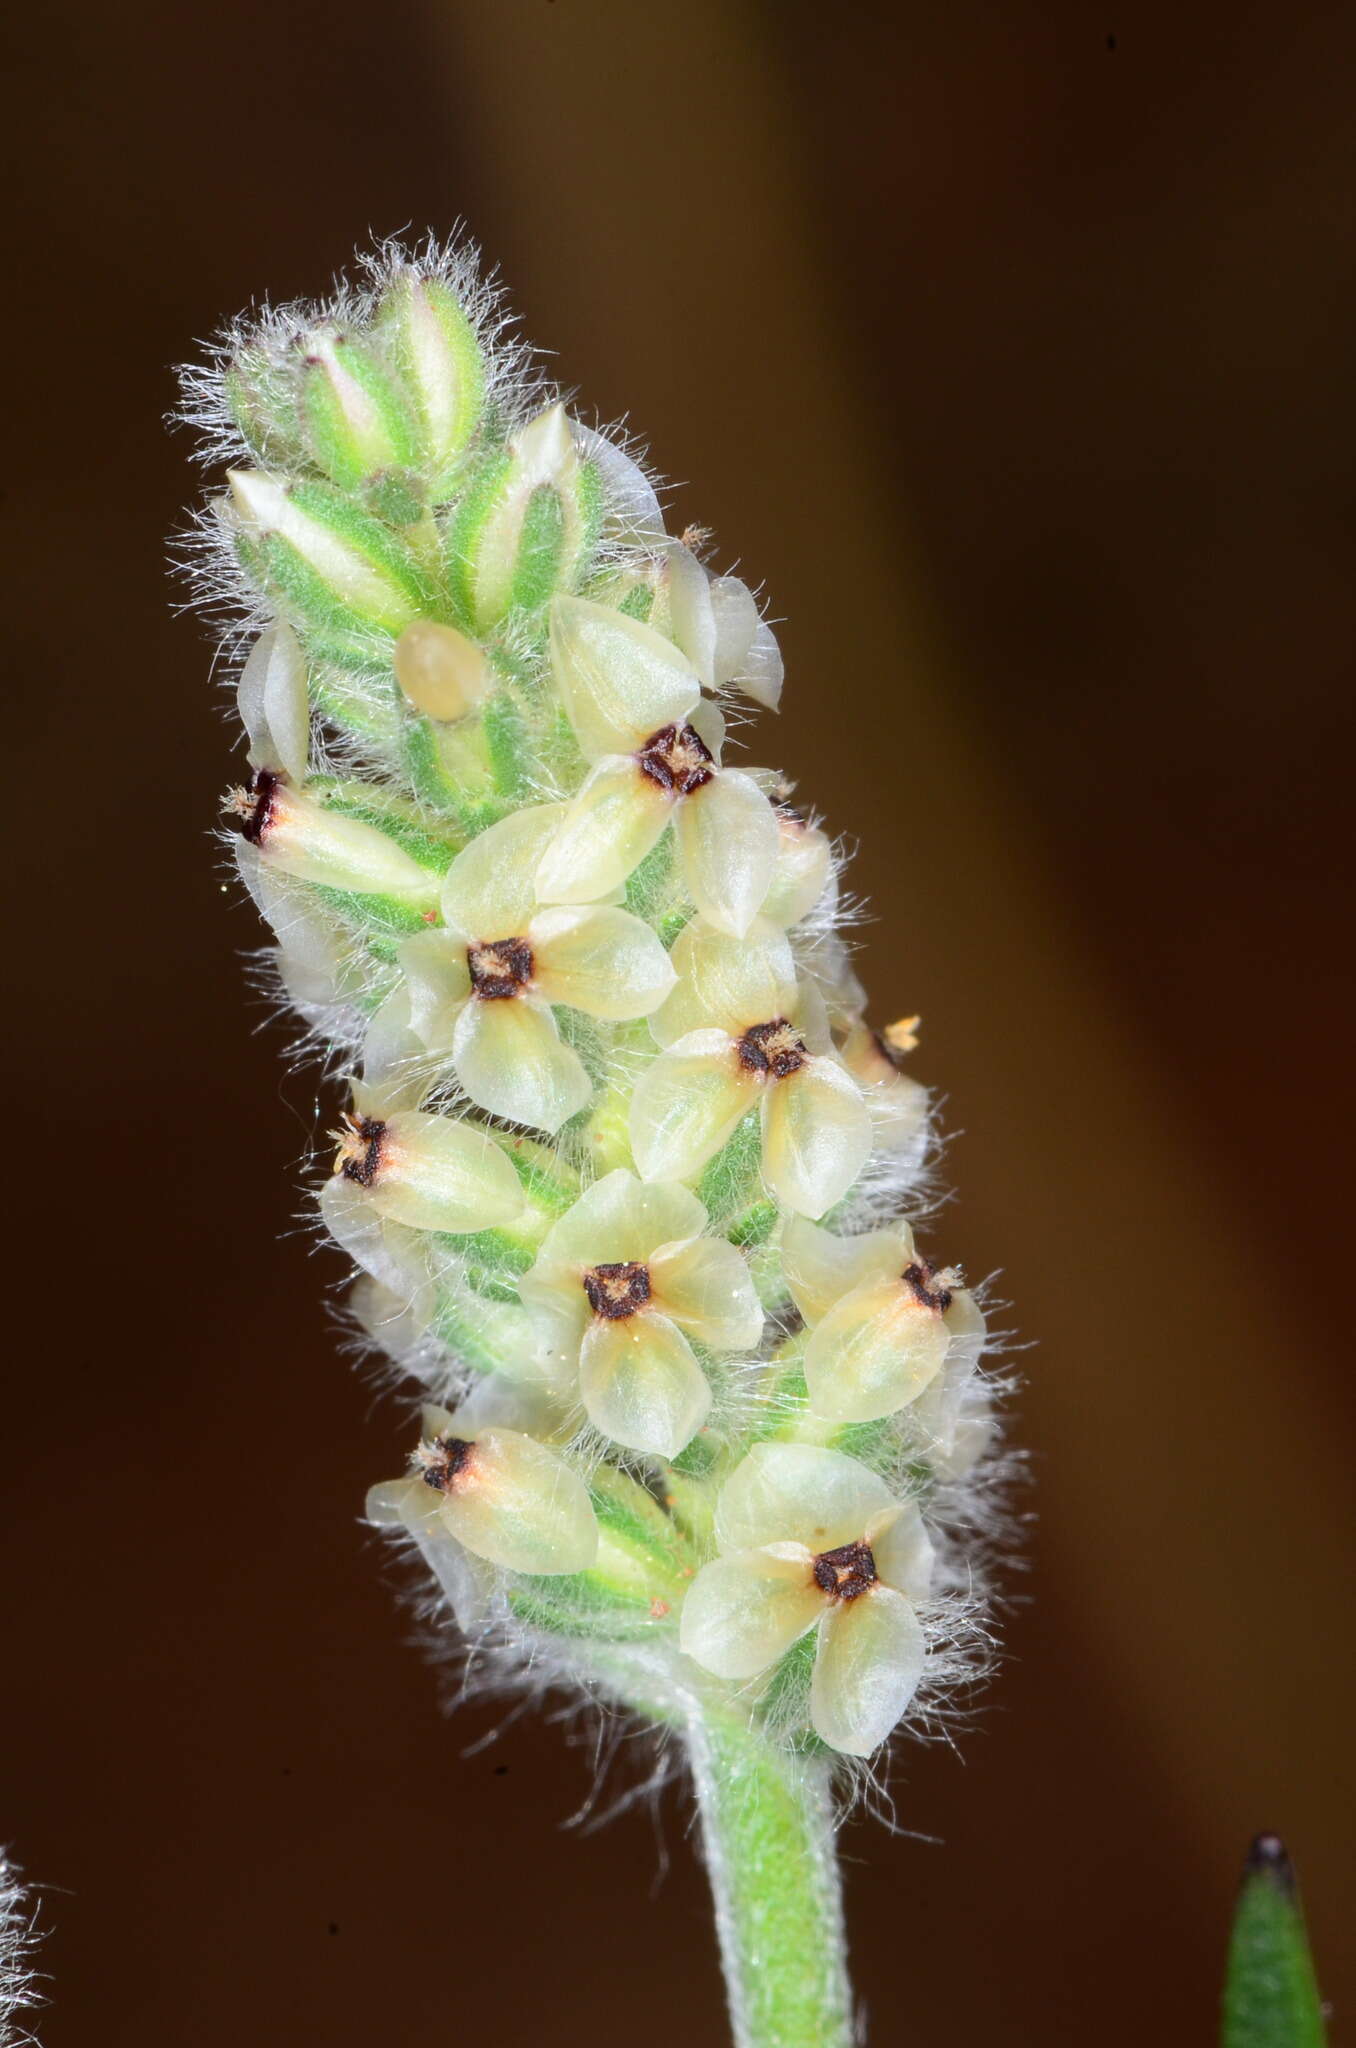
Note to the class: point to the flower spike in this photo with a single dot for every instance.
(625, 1179)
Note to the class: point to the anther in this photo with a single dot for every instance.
(441, 1461)
(929, 1288)
(499, 969)
(255, 805)
(360, 1147)
(846, 1572)
(677, 758)
(775, 1048)
(618, 1290)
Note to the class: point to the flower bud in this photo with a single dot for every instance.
(442, 672)
(438, 358)
(527, 526)
(273, 703)
(332, 566)
(299, 837)
(429, 1172)
(262, 398)
(357, 427)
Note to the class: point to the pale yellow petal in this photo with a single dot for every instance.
(519, 1504)
(816, 1136)
(902, 1550)
(867, 1668)
(599, 960)
(820, 1267)
(742, 1612)
(620, 681)
(804, 858)
(874, 1352)
(488, 892)
(798, 1493)
(705, 1286)
(512, 1061)
(605, 832)
(641, 1385)
(727, 839)
(685, 1105)
(727, 984)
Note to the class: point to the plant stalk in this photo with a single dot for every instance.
(768, 1836)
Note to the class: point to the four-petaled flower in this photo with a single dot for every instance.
(636, 706)
(499, 1494)
(739, 1031)
(482, 986)
(623, 1280)
(883, 1322)
(809, 1537)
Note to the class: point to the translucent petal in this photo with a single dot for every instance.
(438, 982)
(439, 1173)
(820, 1267)
(388, 1251)
(867, 1667)
(599, 960)
(605, 832)
(488, 892)
(512, 1061)
(734, 615)
(763, 669)
(641, 1385)
(274, 705)
(828, 962)
(691, 616)
(410, 1505)
(398, 1503)
(741, 1613)
(816, 1136)
(520, 1505)
(708, 722)
(873, 1353)
(902, 1550)
(727, 838)
(620, 680)
(804, 859)
(686, 1103)
(898, 1103)
(726, 984)
(798, 1493)
(631, 502)
(705, 1286)
(392, 1055)
(621, 1218)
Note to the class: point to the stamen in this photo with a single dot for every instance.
(499, 969)
(929, 1288)
(617, 1290)
(846, 1572)
(898, 1038)
(256, 804)
(677, 758)
(440, 1461)
(360, 1147)
(776, 1048)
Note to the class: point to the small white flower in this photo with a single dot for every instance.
(274, 703)
(803, 871)
(739, 1031)
(809, 1537)
(635, 704)
(482, 987)
(623, 1280)
(429, 1172)
(498, 1493)
(883, 1322)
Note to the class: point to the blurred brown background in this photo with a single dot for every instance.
(1010, 347)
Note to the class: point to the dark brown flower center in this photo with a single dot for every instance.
(440, 1462)
(501, 968)
(776, 1049)
(360, 1148)
(927, 1286)
(845, 1572)
(677, 758)
(254, 806)
(618, 1290)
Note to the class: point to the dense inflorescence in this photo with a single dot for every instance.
(625, 1172)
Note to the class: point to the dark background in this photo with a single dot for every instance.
(1010, 347)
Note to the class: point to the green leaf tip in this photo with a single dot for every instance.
(1270, 1994)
